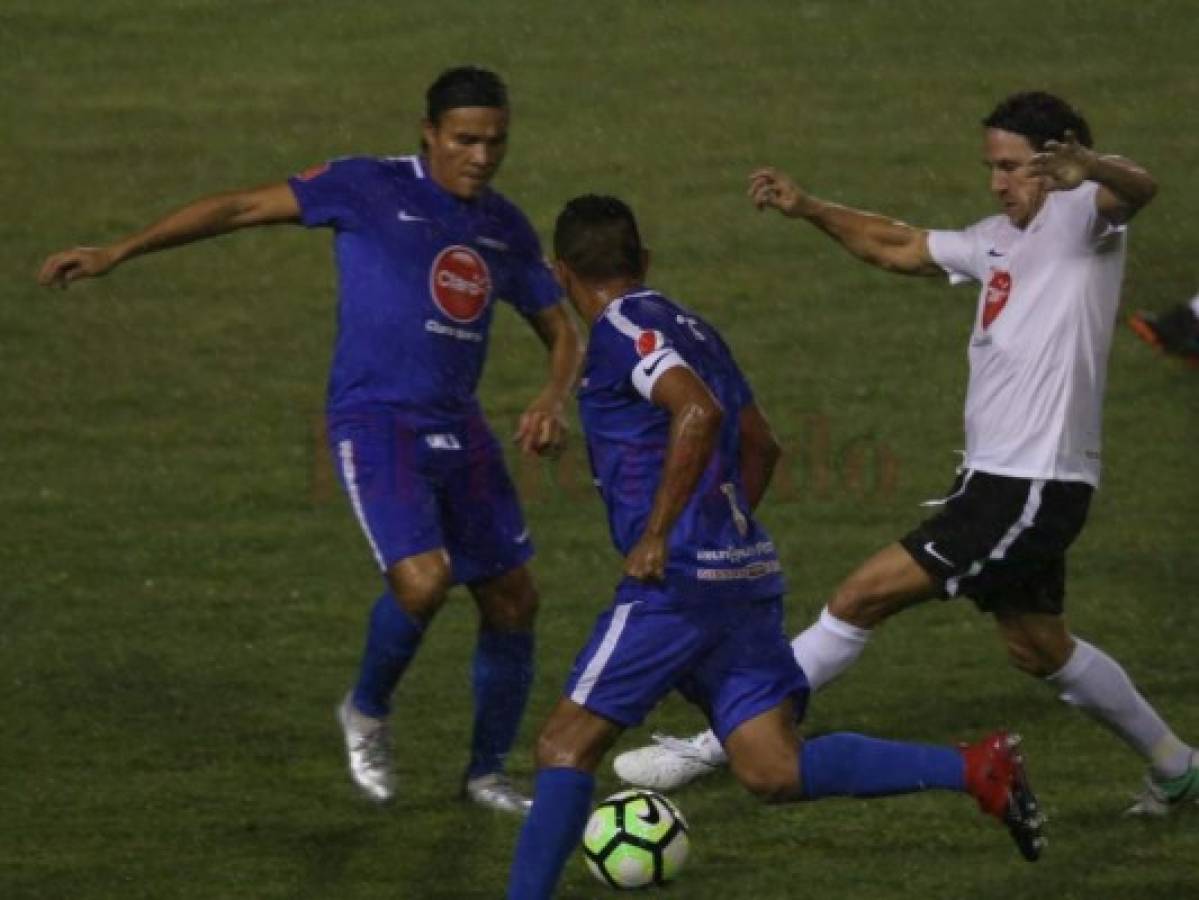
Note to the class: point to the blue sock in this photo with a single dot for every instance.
(851, 765)
(561, 804)
(502, 676)
(392, 638)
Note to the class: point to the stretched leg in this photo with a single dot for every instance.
(418, 589)
(767, 757)
(888, 582)
(502, 676)
(1086, 677)
(571, 744)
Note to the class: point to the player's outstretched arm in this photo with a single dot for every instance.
(1124, 186)
(886, 243)
(206, 217)
(542, 427)
(695, 419)
(758, 454)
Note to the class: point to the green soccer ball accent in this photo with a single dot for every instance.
(635, 839)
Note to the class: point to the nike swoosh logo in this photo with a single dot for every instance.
(651, 816)
(522, 537)
(649, 370)
(405, 217)
(932, 551)
(994, 252)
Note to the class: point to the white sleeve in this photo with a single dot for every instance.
(1082, 203)
(652, 367)
(954, 251)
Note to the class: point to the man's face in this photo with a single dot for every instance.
(1019, 194)
(465, 148)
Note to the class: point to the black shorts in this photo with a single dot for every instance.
(1002, 541)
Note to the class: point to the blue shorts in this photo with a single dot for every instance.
(415, 490)
(731, 659)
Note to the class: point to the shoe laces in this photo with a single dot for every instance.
(691, 747)
(375, 746)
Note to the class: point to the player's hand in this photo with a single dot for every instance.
(1063, 164)
(771, 188)
(542, 429)
(62, 268)
(647, 560)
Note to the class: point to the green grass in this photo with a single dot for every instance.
(183, 592)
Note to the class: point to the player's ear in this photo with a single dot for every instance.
(562, 275)
(428, 131)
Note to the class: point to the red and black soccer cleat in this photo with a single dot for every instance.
(1175, 332)
(995, 777)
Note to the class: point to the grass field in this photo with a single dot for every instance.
(183, 591)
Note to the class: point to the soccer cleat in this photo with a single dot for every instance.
(368, 751)
(1159, 796)
(669, 762)
(496, 792)
(1175, 331)
(995, 777)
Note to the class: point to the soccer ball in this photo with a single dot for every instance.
(635, 839)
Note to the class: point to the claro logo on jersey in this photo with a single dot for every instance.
(460, 283)
(999, 288)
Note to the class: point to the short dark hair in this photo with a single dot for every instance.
(464, 86)
(1040, 117)
(596, 236)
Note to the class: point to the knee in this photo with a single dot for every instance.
(422, 593)
(562, 748)
(1034, 659)
(512, 608)
(774, 781)
(1038, 650)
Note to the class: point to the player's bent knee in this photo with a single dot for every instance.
(509, 604)
(420, 593)
(770, 783)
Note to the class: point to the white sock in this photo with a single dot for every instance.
(1195, 305)
(824, 650)
(828, 647)
(1095, 683)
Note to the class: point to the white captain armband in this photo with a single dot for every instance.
(650, 368)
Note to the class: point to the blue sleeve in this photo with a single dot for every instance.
(331, 194)
(744, 393)
(615, 354)
(533, 286)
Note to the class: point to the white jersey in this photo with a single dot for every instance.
(1038, 352)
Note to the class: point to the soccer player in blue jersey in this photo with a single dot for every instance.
(423, 247)
(682, 454)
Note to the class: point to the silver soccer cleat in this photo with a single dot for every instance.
(496, 792)
(368, 752)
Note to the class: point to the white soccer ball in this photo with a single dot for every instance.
(635, 839)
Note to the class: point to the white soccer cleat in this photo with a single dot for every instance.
(1159, 796)
(368, 752)
(669, 762)
(496, 792)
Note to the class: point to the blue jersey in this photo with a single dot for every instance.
(716, 549)
(417, 270)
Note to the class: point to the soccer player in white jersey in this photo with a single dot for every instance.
(1050, 266)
